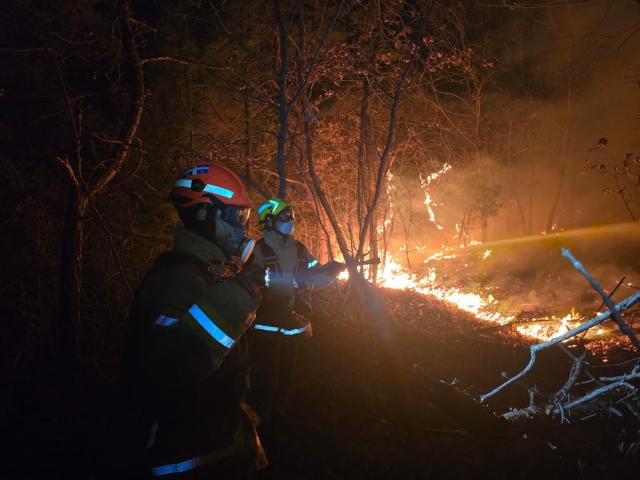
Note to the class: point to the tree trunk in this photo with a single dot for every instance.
(483, 228)
(65, 328)
(283, 107)
(363, 184)
(566, 139)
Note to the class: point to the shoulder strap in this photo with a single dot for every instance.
(301, 257)
(197, 265)
(269, 255)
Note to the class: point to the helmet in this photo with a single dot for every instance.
(212, 201)
(272, 207)
(206, 182)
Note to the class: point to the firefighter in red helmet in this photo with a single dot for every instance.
(186, 360)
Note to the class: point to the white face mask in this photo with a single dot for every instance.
(285, 228)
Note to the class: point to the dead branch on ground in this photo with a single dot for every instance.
(594, 394)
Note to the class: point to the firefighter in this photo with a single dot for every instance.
(280, 323)
(187, 360)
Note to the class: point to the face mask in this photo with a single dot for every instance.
(232, 240)
(285, 228)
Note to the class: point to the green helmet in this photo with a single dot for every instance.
(274, 206)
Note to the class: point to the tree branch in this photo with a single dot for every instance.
(598, 319)
(181, 61)
(134, 117)
(382, 169)
(596, 286)
(314, 59)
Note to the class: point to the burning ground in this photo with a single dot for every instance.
(524, 283)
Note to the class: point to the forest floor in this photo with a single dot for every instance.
(361, 406)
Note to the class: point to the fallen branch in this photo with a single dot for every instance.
(596, 286)
(576, 369)
(599, 391)
(530, 411)
(598, 319)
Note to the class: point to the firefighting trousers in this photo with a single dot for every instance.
(273, 361)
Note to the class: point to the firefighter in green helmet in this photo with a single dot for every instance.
(280, 327)
(186, 360)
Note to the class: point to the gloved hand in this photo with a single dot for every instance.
(252, 279)
(334, 268)
(255, 274)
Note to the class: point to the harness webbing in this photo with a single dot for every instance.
(271, 259)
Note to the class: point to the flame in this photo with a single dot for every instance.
(439, 256)
(428, 201)
(545, 328)
(393, 276)
(486, 254)
(432, 216)
(483, 307)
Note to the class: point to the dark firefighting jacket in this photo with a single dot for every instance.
(187, 361)
(289, 268)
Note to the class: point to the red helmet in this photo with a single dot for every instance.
(201, 182)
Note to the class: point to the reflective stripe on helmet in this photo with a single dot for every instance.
(210, 327)
(270, 203)
(312, 264)
(209, 188)
(197, 170)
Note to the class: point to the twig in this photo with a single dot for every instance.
(596, 286)
(69, 170)
(615, 289)
(314, 59)
(254, 185)
(528, 412)
(181, 61)
(598, 391)
(576, 369)
(134, 116)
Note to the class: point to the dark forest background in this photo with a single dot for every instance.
(344, 107)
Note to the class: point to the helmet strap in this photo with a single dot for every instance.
(269, 222)
(200, 219)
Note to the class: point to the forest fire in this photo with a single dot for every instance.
(179, 177)
(485, 307)
(393, 276)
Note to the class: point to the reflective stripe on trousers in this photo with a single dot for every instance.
(283, 331)
(191, 463)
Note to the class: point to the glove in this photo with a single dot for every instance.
(252, 280)
(255, 274)
(334, 268)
